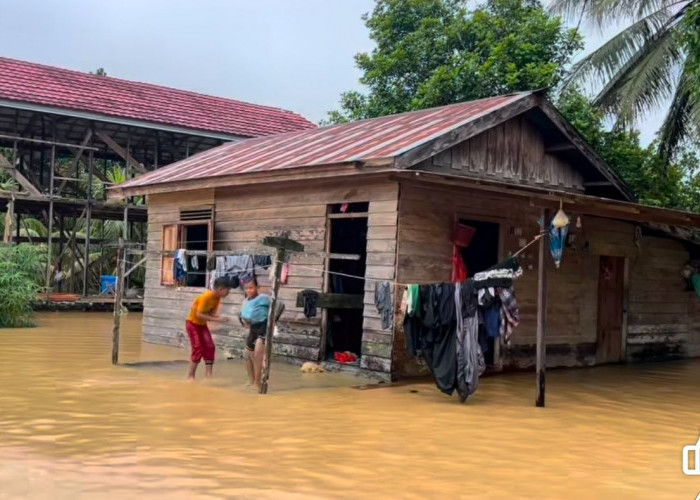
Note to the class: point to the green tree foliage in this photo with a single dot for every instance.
(646, 65)
(436, 52)
(21, 268)
(643, 169)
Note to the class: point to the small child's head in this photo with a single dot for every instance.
(251, 289)
(222, 286)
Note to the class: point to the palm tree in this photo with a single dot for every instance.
(643, 67)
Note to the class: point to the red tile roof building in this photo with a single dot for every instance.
(37, 84)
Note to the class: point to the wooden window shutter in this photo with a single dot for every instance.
(171, 239)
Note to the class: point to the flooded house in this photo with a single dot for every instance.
(391, 191)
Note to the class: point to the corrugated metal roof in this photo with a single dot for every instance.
(364, 140)
(67, 89)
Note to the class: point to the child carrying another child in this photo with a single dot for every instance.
(204, 310)
(254, 314)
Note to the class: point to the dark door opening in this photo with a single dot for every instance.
(482, 252)
(610, 309)
(480, 255)
(344, 326)
(196, 237)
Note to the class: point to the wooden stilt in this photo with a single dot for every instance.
(542, 312)
(9, 220)
(118, 297)
(51, 183)
(283, 245)
(88, 228)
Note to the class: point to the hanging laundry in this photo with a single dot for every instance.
(510, 314)
(194, 263)
(501, 276)
(412, 322)
(180, 265)
(285, 273)
(237, 268)
(486, 296)
(467, 341)
(459, 268)
(310, 301)
(211, 263)
(262, 261)
(412, 299)
(492, 320)
(383, 302)
(438, 342)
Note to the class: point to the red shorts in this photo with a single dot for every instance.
(201, 342)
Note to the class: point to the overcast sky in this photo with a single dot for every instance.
(294, 54)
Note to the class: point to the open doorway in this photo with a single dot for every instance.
(482, 254)
(347, 235)
(196, 237)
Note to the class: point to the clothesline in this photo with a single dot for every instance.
(336, 273)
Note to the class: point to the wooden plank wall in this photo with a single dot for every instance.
(243, 216)
(426, 216)
(165, 308)
(514, 152)
(661, 311)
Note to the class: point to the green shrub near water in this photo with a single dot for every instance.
(21, 271)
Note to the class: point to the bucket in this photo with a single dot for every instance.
(463, 235)
(108, 285)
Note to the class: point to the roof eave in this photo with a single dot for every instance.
(316, 172)
(128, 122)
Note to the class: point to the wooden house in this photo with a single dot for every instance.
(391, 189)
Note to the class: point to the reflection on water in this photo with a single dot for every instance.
(73, 426)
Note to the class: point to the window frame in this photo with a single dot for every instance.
(167, 277)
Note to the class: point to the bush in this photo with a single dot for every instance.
(21, 270)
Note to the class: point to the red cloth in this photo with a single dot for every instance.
(459, 268)
(202, 344)
(345, 357)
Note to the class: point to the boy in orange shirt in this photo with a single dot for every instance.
(205, 309)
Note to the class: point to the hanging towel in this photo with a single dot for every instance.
(194, 263)
(412, 299)
(382, 300)
(285, 273)
(271, 266)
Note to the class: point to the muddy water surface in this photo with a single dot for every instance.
(73, 426)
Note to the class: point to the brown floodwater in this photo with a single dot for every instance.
(74, 426)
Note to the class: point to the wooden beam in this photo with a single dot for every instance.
(598, 184)
(335, 300)
(557, 148)
(9, 218)
(41, 141)
(78, 153)
(282, 244)
(21, 180)
(542, 312)
(112, 144)
(118, 297)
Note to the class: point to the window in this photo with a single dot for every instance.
(194, 232)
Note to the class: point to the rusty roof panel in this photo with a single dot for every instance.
(364, 140)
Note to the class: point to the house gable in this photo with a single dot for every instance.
(514, 151)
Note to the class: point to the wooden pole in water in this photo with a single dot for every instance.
(282, 245)
(118, 295)
(542, 311)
